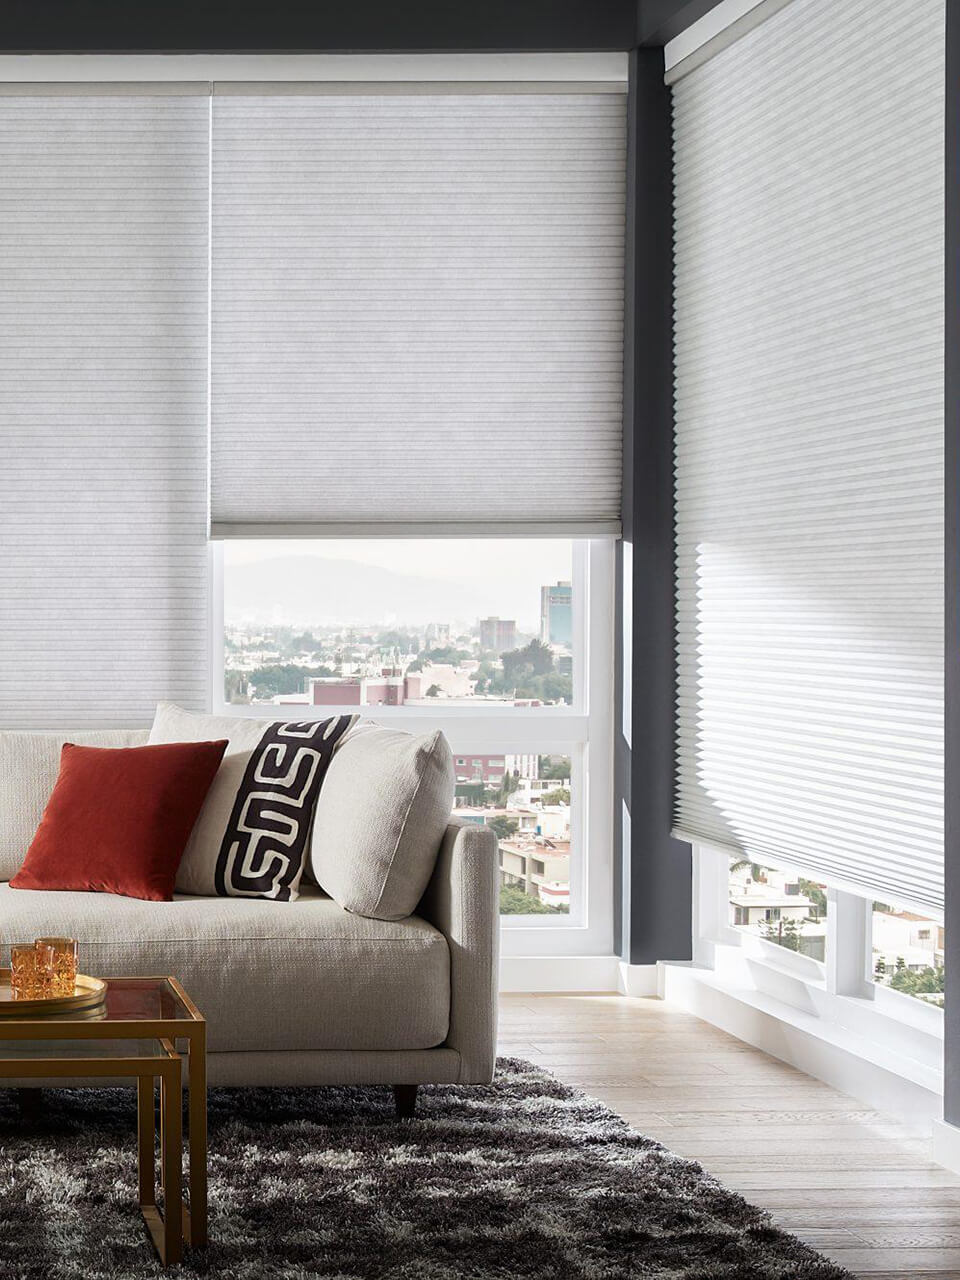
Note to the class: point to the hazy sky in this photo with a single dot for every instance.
(516, 561)
(486, 576)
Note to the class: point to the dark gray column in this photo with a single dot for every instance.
(951, 1094)
(652, 870)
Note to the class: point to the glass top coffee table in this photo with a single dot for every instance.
(145, 1028)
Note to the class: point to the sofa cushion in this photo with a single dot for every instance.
(380, 817)
(119, 819)
(251, 839)
(266, 975)
(29, 765)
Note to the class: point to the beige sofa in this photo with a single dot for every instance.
(297, 992)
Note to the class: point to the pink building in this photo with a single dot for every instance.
(385, 690)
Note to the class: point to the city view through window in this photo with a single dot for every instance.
(412, 622)
(906, 948)
(429, 624)
(907, 953)
(525, 799)
(784, 909)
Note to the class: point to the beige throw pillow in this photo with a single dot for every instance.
(380, 817)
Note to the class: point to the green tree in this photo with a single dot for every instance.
(756, 871)
(485, 673)
(504, 828)
(446, 655)
(551, 688)
(816, 893)
(558, 796)
(784, 932)
(916, 982)
(508, 785)
(553, 767)
(514, 902)
(283, 677)
(535, 659)
(434, 691)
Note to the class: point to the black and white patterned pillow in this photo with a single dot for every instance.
(252, 836)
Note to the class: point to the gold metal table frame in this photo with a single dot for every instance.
(170, 1230)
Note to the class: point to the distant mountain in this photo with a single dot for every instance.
(307, 590)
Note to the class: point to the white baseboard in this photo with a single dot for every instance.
(547, 974)
(559, 973)
(639, 980)
(946, 1145)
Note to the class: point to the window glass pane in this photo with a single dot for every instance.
(779, 907)
(525, 799)
(399, 622)
(907, 953)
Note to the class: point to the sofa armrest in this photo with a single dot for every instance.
(462, 901)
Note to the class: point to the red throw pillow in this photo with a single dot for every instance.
(119, 819)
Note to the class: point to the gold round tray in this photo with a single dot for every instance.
(87, 993)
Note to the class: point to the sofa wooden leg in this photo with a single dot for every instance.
(405, 1098)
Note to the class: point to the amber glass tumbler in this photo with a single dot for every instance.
(31, 971)
(64, 964)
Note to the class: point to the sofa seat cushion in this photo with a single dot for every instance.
(266, 975)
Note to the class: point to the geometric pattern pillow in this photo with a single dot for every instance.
(252, 837)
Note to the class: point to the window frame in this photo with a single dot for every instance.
(839, 991)
(583, 731)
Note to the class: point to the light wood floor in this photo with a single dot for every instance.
(859, 1186)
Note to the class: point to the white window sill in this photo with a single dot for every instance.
(844, 1041)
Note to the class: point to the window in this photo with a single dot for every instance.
(529, 808)
(907, 953)
(504, 644)
(842, 968)
(400, 623)
(778, 907)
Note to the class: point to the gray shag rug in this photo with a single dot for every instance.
(526, 1178)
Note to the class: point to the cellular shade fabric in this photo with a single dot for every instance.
(103, 331)
(809, 407)
(417, 307)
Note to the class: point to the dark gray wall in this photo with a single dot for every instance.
(296, 26)
(654, 921)
(951, 1096)
(661, 20)
(293, 26)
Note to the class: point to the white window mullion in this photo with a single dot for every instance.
(849, 920)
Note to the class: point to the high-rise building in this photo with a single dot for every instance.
(498, 634)
(556, 614)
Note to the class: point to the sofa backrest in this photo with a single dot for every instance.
(29, 764)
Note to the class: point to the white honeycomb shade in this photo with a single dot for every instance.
(809, 464)
(103, 332)
(417, 303)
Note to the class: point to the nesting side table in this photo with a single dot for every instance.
(150, 1029)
